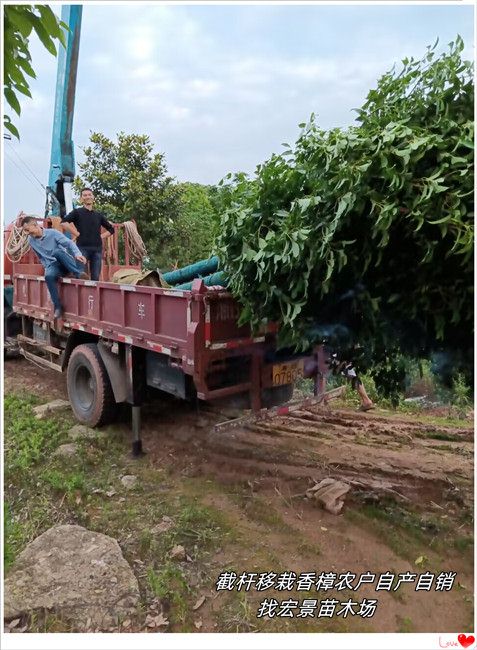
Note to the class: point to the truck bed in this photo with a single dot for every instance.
(196, 329)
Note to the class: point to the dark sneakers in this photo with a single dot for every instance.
(77, 276)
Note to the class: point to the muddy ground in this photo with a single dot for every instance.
(410, 507)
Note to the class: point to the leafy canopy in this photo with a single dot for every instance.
(130, 181)
(19, 21)
(368, 229)
(194, 228)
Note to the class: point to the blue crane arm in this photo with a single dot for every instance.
(62, 162)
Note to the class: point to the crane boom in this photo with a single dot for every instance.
(62, 161)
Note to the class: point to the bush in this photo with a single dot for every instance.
(367, 229)
(461, 400)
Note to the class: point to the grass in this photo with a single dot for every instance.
(29, 444)
(437, 435)
(405, 624)
(43, 490)
(13, 535)
(65, 482)
(237, 615)
(407, 532)
(457, 408)
(463, 544)
(256, 508)
(169, 585)
(28, 440)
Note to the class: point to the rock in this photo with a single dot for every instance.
(44, 410)
(199, 603)
(178, 553)
(68, 570)
(330, 494)
(81, 432)
(165, 524)
(156, 621)
(66, 451)
(129, 481)
(193, 580)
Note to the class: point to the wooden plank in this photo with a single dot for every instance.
(40, 360)
(39, 344)
(277, 411)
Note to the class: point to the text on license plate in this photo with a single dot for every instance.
(287, 373)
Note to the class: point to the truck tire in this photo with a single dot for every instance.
(89, 389)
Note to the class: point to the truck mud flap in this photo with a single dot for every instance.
(116, 369)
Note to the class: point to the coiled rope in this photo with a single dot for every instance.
(17, 244)
(134, 241)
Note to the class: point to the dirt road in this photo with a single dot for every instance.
(410, 507)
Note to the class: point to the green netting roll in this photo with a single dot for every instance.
(199, 269)
(8, 297)
(218, 278)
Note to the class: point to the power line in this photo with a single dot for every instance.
(22, 171)
(27, 166)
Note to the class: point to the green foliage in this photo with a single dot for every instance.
(193, 235)
(461, 400)
(389, 371)
(195, 524)
(370, 226)
(11, 532)
(130, 181)
(19, 21)
(170, 585)
(65, 481)
(27, 439)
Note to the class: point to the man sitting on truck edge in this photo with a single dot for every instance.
(58, 254)
(88, 223)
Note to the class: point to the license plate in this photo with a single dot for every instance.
(287, 373)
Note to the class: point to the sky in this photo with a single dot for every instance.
(217, 88)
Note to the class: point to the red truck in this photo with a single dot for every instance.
(115, 341)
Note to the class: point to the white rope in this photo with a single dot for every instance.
(17, 244)
(134, 241)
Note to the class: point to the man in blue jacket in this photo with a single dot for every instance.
(58, 254)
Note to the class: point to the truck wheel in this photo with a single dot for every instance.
(89, 388)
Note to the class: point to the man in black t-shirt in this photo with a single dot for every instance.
(88, 223)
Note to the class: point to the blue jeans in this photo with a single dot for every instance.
(95, 257)
(64, 264)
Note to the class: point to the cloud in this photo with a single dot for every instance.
(203, 87)
(140, 45)
(101, 61)
(218, 88)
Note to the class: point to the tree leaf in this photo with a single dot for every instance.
(10, 127)
(11, 98)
